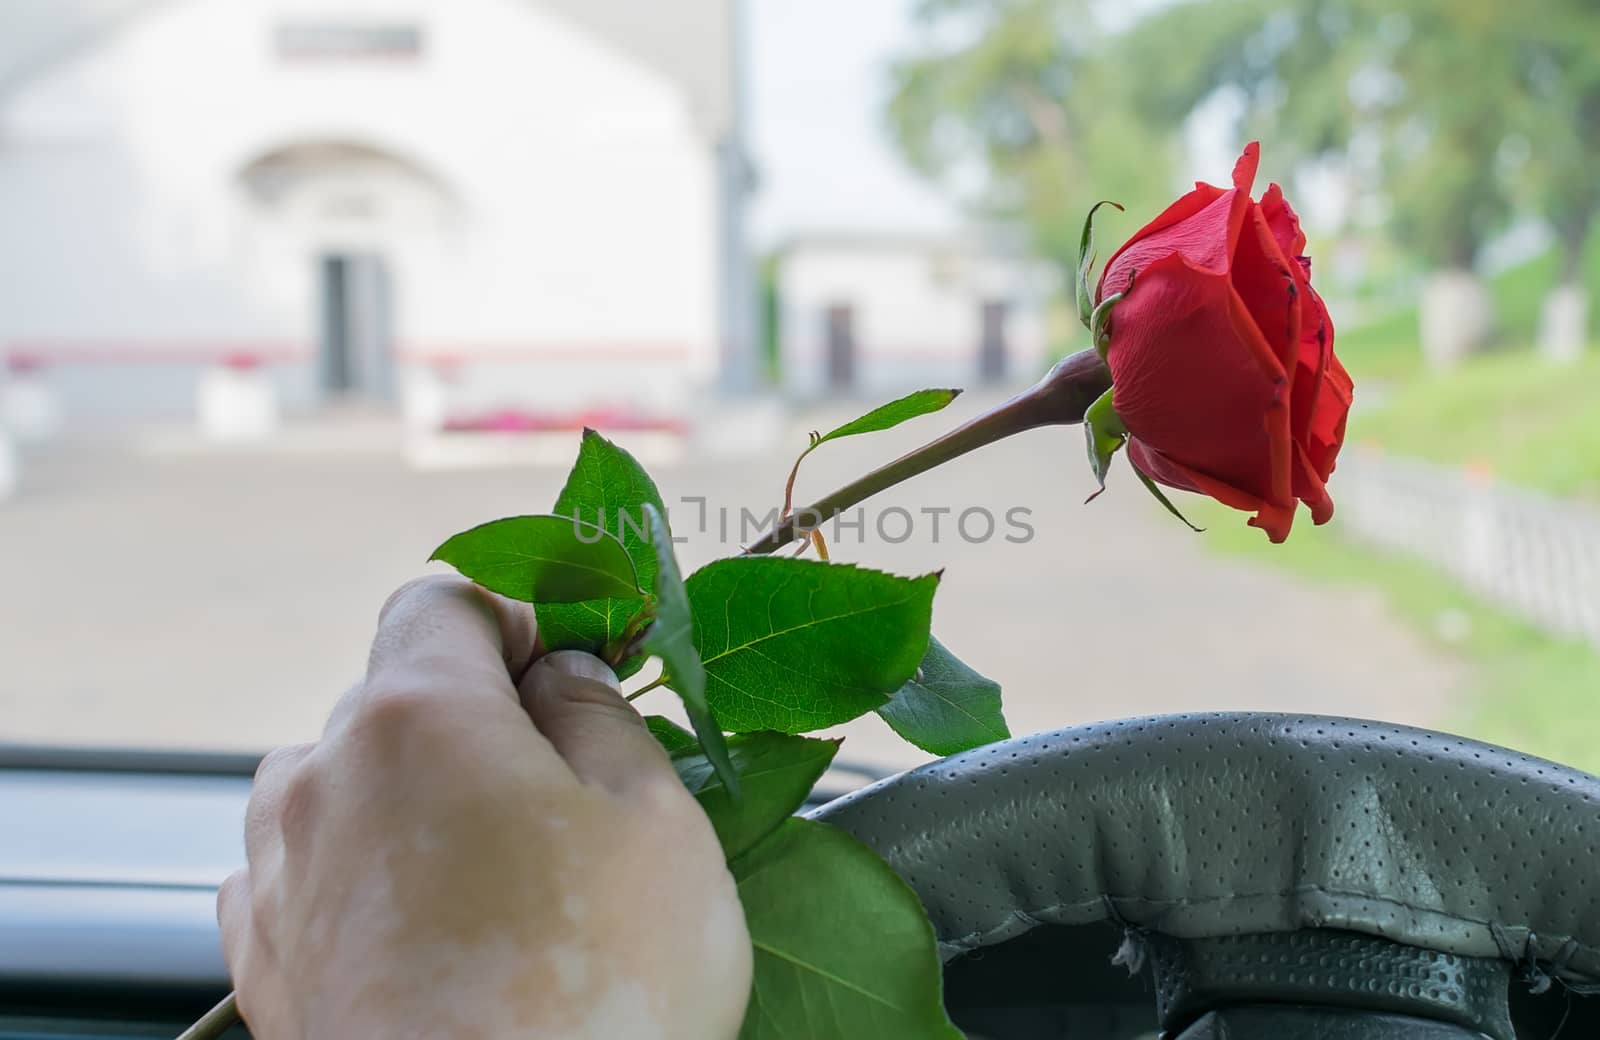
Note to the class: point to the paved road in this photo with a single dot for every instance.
(155, 595)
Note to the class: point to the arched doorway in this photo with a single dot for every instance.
(352, 210)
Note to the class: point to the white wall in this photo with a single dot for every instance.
(575, 212)
(917, 312)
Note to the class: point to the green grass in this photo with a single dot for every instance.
(1525, 420)
(1507, 412)
(1526, 690)
(1384, 349)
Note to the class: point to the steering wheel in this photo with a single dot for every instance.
(1267, 876)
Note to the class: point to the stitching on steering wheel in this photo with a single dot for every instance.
(1083, 913)
(1538, 977)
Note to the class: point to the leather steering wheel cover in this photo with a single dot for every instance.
(1219, 824)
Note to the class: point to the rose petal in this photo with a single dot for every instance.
(1268, 285)
(1190, 204)
(1244, 171)
(1284, 222)
(1328, 422)
(1206, 239)
(1202, 227)
(1194, 379)
(1273, 518)
(1163, 470)
(1314, 350)
(1309, 487)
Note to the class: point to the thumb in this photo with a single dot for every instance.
(577, 703)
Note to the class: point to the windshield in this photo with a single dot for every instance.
(289, 297)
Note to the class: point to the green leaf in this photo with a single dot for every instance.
(1155, 489)
(672, 737)
(796, 645)
(1103, 429)
(947, 708)
(776, 773)
(884, 417)
(606, 486)
(1086, 262)
(921, 402)
(671, 638)
(843, 947)
(543, 559)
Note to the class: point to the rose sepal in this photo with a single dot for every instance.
(1086, 263)
(1100, 320)
(1105, 434)
(1161, 496)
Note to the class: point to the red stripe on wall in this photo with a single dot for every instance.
(25, 354)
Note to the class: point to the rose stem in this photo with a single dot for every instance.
(641, 691)
(1060, 398)
(216, 1021)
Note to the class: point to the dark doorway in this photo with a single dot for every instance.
(357, 355)
(992, 344)
(841, 336)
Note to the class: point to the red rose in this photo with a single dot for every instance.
(1221, 354)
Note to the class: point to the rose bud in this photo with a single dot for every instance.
(1224, 380)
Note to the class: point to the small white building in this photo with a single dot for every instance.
(879, 313)
(537, 203)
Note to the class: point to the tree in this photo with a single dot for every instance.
(1563, 76)
(1008, 103)
(1446, 96)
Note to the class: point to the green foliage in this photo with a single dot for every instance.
(672, 737)
(776, 772)
(888, 416)
(1105, 434)
(543, 559)
(606, 487)
(1023, 91)
(771, 319)
(1386, 347)
(1086, 259)
(1449, 154)
(947, 707)
(1449, 119)
(795, 645)
(1382, 349)
(1514, 415)
(670, 636)
(768, 648)
(883, 417)
(774, 646)
(1100, 321)
(1167, 503)
(843, 948)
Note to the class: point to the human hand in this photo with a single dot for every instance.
(460, 857)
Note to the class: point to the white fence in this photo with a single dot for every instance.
(1535, 556)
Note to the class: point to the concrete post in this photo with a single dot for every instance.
(1564, 323)
(1457, 317)
(236, 401)
(10, 466)
(28, 405)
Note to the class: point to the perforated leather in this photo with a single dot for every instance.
(1223, 824)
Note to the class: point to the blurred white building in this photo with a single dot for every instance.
(880, 313)
(536, 203)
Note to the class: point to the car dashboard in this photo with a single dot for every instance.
(109, 867)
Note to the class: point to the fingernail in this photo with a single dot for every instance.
(575, 664)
